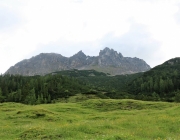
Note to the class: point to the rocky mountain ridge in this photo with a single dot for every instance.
(108, 61)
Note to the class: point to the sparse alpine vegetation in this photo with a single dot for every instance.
(95, 119)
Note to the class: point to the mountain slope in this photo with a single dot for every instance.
(108, 61)
(163, 82)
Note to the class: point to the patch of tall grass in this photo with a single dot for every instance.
(91, 119)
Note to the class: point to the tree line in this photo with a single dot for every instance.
(38, 89)
(160, 83)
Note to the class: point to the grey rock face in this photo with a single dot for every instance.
(109, 57)
(108, 61)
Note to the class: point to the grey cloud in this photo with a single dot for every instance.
(66, 48)
(137, 42)
(8, 18)
(177, 15)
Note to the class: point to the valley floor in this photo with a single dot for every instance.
(95, 119)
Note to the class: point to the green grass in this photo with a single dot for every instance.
(101, 119)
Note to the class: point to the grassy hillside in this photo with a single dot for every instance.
(99, 119)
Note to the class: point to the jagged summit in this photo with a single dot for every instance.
(108, 61)
(109, 52)
(106, 50)
(80, 54)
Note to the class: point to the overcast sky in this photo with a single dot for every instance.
(147, 29)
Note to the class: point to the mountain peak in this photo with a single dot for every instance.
(108, 61)
(110, 52)
(107, 49)
(80, 54)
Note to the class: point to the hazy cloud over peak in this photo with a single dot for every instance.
(148, 29)
(137, 42)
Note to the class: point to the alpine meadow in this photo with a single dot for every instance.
(87, 104)
(89, 69)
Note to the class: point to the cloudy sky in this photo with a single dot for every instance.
(147, 29)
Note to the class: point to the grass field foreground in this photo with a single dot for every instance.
(101, 119)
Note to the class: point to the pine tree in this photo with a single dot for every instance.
(142, 87)
(33, 97)
(170, 85)
(49, 98)
(45, 100)
(161, 85)
(177, 96)
(19, 95)
(38, 100)
(42, 98)
(156, 86)
(0, 92)
(1, 96)
(151, 84)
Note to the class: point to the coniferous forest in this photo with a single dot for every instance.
(161, 83)
(38, 89)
